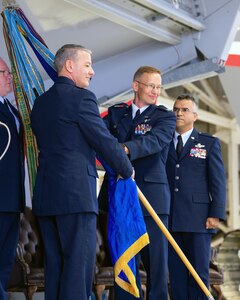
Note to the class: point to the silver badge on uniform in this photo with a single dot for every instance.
(199, 145)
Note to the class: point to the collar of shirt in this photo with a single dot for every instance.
(1, 99)
(185, 137)
(135, 108)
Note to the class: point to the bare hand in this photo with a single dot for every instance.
(212, 223)
(125, 148)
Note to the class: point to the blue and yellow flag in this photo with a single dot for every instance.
(127, 233)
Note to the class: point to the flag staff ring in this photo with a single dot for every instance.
(174, 244)
(9, 139)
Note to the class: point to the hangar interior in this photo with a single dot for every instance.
(190, 41)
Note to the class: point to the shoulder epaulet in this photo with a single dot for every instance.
(206, 135)
(162, 107)
(119, 105)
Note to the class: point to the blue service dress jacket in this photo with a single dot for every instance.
(69, 132)
(197, 183)
(12, 164)
(147, 137)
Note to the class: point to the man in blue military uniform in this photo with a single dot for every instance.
(69, 129)
(11, 179)
(197, 182)
(145, 131)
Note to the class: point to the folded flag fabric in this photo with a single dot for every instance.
(127, 233)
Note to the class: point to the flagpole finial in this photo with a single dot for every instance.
(9, 3)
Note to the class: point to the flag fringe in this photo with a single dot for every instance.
(122, 265)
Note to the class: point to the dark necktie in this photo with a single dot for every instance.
(5, 103)
(179, 145)
(137, 114)
(9, 111)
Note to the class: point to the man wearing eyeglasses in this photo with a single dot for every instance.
(197, 182)
(145, 132)
(11, 179)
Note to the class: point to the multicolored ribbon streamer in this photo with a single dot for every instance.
(27, 81)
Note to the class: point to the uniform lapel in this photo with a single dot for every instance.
(126, 121)
(172, 151)
(4, 110)
(9, 115)
(14, 110)
(17, 115)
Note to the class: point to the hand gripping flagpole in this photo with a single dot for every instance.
(9, 139)
(174, 244)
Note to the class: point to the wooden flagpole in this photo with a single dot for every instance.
(174, 244)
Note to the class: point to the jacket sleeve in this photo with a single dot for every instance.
(216, 181)
(99, 138)
(156, 139)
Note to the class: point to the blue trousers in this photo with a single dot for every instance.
(9, 235)
(70, 251)
(196, 247)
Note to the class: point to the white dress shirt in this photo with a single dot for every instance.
(185, 137)
(135, 108)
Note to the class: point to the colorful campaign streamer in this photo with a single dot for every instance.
(27, 81)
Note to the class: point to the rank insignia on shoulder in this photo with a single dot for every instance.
(199, 145)
(120, 105)
(206, 134)
(198, 153)
(162, 107)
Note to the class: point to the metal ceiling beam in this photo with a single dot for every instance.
(209, 90)
(114, 74)
(121, 16)
(192, 72)
(205, 98)
(214, 98)
(216, 40)
(178, 15)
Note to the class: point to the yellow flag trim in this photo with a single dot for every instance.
(122, 265)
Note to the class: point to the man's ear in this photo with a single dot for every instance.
(69, 65)
(135, 86)
(195, 117)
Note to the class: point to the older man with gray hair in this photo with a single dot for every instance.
(11, 178)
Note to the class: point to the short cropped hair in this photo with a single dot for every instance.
(68, 51)
(145, 69)
(188, 97)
